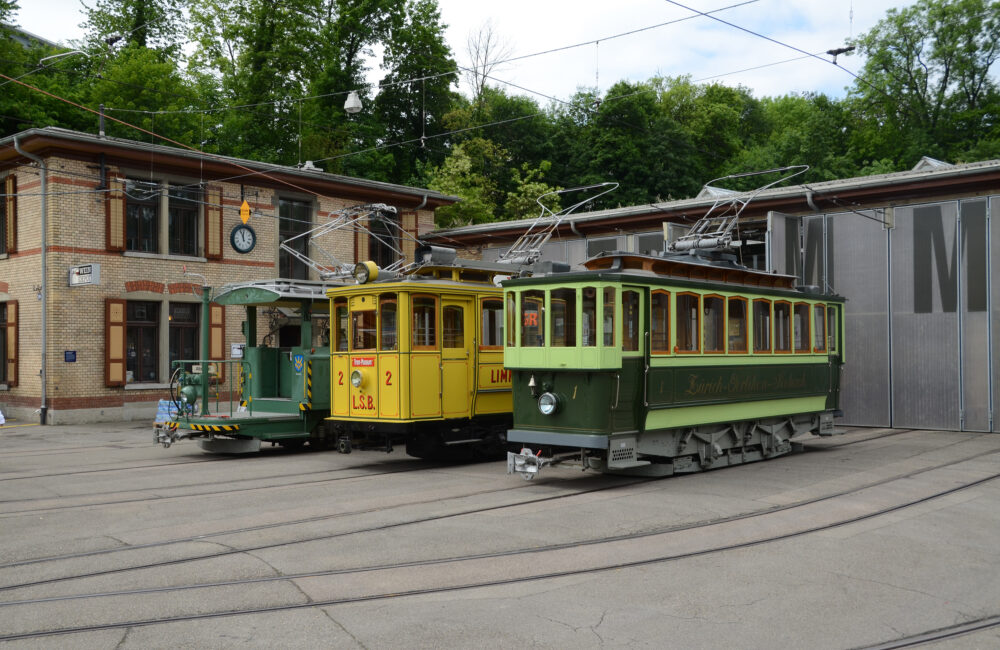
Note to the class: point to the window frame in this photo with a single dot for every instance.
(636, 338)
(445, 335)
(817, 337)
(569, 310)
(745, 329)
(807, 336)
(383, 300)
(774, 327)
(190, 209)
(181, 328)
(137, 328)
(501, 321)
(413, 329)
(697, 325)
(592, 313)
(606, 309)
(511, 308)
(539, 325)
(770, 325)
(653, 350)
(365, 331)
(721, 337)
(297, 269)
(133, 221)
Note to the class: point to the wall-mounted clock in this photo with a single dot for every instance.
(243, 238)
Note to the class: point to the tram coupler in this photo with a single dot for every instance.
(164, 434)
(528, 463)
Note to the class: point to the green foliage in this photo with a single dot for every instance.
(267, 80)
(925, 87)
(152, 24)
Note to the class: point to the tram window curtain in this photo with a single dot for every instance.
(8, 220)
(10, 344)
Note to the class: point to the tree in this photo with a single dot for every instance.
(925, 88)
(153, 24)
(486, 50)
(416, 92)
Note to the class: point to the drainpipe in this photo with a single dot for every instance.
(43, 373)
(809, 201)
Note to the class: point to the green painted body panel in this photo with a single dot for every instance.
(732, 412)
(263, 426)
(673, 387)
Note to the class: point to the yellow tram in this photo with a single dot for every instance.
(417, 357)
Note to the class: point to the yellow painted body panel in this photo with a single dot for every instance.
(388, 386)
(340, 383)
(425, 385)
(364, 398)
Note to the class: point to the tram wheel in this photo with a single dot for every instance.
(344, 445)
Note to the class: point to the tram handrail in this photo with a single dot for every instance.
(233, 367)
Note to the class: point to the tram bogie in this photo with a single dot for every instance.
(661, 365)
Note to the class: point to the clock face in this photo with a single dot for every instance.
(243, 238)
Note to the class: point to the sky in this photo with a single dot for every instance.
(698, 46)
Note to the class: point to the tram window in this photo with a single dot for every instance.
(660, 330)
(387, 322)
(782, 327)
(511, 312)
(363, 325)
(630, 321)
(761, 325)
(533, 319)
(801, 331)
(453, 327)
(588, 325)
(609, 316)
(563, 303)
(492, 323)
(340, 324)
(714, 327)
(736, 324)
(833, 328)
(819, 328)
(688, 317)
(424, 323)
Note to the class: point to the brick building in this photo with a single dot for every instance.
(123, 221)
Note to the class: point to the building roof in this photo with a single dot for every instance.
(863, 192)
(121, 151)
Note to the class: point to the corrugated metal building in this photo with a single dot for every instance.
(912, 251)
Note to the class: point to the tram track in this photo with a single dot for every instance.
(687, 526)
(308, 520)
(227, 481)
(939, 634)
(381, 582)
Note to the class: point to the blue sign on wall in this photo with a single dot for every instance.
(69, 356)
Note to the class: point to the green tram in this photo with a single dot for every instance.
(277, 392)
(652, 366)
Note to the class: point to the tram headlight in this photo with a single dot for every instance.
(356, 378)
(365, 272)
(548, 403)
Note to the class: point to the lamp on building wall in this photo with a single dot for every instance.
(353, 103)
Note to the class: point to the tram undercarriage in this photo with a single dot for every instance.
(681, 450)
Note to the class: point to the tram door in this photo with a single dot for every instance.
(457, 339)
